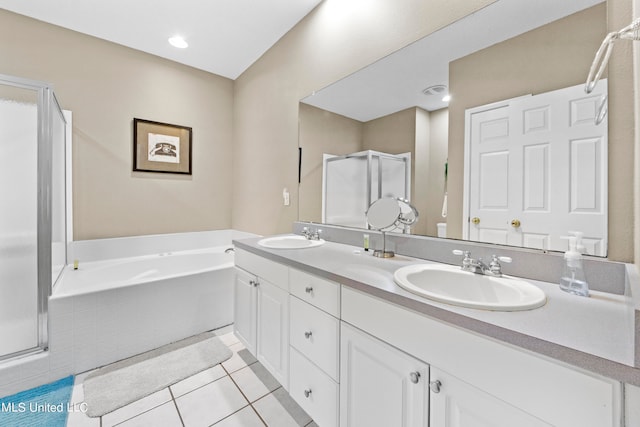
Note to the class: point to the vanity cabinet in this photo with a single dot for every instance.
(380, 385)
(261, 311)
(315, 346)
(352, 359)
(245, 309)
(455, 403)
(513, 383)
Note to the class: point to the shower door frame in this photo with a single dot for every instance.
(46, 98)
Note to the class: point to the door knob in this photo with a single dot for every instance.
(435, 386)
(515, 223)
(475, 220)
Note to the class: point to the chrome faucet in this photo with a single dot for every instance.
(311, 235)
(477, 266)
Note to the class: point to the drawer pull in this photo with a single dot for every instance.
(307, 393)
(435, 386)
(308, 289)
(308, 334)
(415, 377)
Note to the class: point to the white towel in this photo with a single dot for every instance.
(444, 206)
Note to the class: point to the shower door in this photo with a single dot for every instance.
(32, 217)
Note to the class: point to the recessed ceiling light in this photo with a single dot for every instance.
(179, 42)
(446, 98)
(435, 90)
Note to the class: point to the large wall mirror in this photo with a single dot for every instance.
(505, 52)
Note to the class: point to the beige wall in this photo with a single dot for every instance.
(408, 130)
(335, 39)
(105, 86)
(421, 186)
(394, 134)
(322, 132)
(438, 149)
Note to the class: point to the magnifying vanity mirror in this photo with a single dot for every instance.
(507, 53)
(390, 214)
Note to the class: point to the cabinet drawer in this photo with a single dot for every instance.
(275, 273)
(319, 292)
(313, 390)
(315, 334)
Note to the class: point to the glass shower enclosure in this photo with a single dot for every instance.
(32, 214)
(350, 183)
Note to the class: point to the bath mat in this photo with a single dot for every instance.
(44, 406)
(126, 381)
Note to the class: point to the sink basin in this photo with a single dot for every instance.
(451, 285)
(289, 242)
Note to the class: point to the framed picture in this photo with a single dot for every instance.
(161, 147)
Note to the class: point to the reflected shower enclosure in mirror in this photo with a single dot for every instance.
(505, 51)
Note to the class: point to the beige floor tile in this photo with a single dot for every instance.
(165, 415)
(198, 380)
(246, 417)
(240, 358)
(79, 419)
(210, 403)
(279, 410)
(136, 408)
(255, 381)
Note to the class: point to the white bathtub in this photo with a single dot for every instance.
(98, 276)
(113, 308)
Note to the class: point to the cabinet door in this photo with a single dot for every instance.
(273, 330)
(380, 385)
(455, 403)
(244, 309)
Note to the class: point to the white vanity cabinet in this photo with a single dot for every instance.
(245, 309)
(315, 346)
(455, 403)
(380, 385)
(261, 311)
(515, 384)
(351, 359)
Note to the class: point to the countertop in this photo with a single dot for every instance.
(595, 333)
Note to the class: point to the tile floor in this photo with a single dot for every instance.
(237, 393)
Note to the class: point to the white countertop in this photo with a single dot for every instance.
(595, 333)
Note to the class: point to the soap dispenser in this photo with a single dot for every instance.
(573, 279)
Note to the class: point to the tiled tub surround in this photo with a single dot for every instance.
(142, 292)
(596, 333)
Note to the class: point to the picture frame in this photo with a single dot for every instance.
(161, 147)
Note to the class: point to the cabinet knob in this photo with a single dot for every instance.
(415, 377)
(307, 335)
(475, 220)
(515, 223)
(308, 289)
(435, 386)
(307, 393)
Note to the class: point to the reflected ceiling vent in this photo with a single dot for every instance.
(435, 90)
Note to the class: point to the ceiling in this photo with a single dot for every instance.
(225, 36)
(397, 81)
